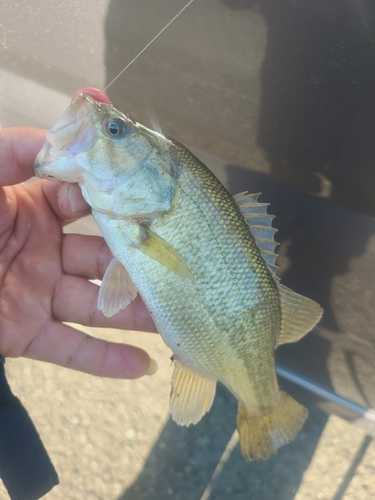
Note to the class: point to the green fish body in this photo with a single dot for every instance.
(202, 261)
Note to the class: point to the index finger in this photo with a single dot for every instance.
(18, 149)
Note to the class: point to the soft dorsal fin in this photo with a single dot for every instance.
(117, 289)
(299, 315)
(260, 224)
(155, 247)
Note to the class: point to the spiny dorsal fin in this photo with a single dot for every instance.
(155, 247)
(117, 289)
(260, 224)
(299, 315)
(191, 396)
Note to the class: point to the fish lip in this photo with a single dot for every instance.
(94, 93)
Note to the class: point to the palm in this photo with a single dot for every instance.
(31, 269)
(44, 281)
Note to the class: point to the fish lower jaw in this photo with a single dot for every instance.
(48, 177)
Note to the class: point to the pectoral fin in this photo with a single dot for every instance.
(191, 395)
(117, 289)
(155, 247)
(299, 315)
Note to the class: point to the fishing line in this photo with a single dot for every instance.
(152, 41)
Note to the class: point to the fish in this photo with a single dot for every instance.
(202, 260)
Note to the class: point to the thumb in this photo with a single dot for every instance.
(65, 200)
(18, 149)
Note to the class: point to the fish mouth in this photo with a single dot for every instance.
(96, 94)
(68, 137)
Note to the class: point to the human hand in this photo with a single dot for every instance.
(44, 273)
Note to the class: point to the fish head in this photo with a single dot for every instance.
(123, 168)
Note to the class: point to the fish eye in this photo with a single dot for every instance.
(116, 127)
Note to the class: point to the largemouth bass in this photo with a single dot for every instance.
(202, 261)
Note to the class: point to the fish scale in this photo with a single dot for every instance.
(202, 261)
(218, 300)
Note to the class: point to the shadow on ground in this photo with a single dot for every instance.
(182, 462)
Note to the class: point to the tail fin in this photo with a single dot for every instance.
(262, 436)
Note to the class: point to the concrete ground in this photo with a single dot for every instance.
(113, 440)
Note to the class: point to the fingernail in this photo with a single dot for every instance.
(153, 367)
(76, 201)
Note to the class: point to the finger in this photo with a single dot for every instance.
(65, 346)
(66, 200)
(85, 256)
(76, 299)
(18, 149)
(8, 211)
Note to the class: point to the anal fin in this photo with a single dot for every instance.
(191, 396)
(117, 289)
(299, 315)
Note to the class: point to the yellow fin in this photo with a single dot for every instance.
(117, 289)
(192, 395)
(155, 247)
(261, 436)
(299, 315)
